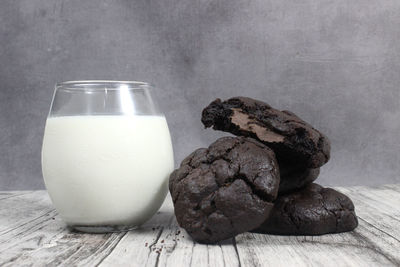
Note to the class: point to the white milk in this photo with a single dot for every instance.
(107, 170)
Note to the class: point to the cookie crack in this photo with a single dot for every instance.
(290, 215)
(259, 193)
(331, 211)
(224, 156)
(241, 141)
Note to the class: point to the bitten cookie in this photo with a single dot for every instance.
(313, 210)
(295, 177)
(226, 189)
(291, 138)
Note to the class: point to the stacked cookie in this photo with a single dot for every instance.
(260, 181)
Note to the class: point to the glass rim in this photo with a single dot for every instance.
(82, 85)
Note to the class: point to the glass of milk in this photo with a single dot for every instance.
(106, 155)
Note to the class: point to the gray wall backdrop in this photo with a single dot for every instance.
(335, 63)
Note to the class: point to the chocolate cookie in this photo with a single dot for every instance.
(291, 138)
(294, 177)
(226, 189)
(313, 210)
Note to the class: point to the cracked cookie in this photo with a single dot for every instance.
(295, 177)
(292, 139)
(313, 210)
(226, 189)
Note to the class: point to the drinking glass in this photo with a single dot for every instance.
(106, 154)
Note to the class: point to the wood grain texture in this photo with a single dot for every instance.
(32, 234)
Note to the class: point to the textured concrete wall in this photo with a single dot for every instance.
(334, 63)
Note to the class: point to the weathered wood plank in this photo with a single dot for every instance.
(49, 242)
(364, 247)
(141, 245)
(38, 237)
(22, 208)
(170, 246)
(10, 194)
(379, 208)
(373, 243)
(31, 233)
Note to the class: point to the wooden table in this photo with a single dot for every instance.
(31, 233)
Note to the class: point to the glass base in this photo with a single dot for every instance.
(101, 229)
